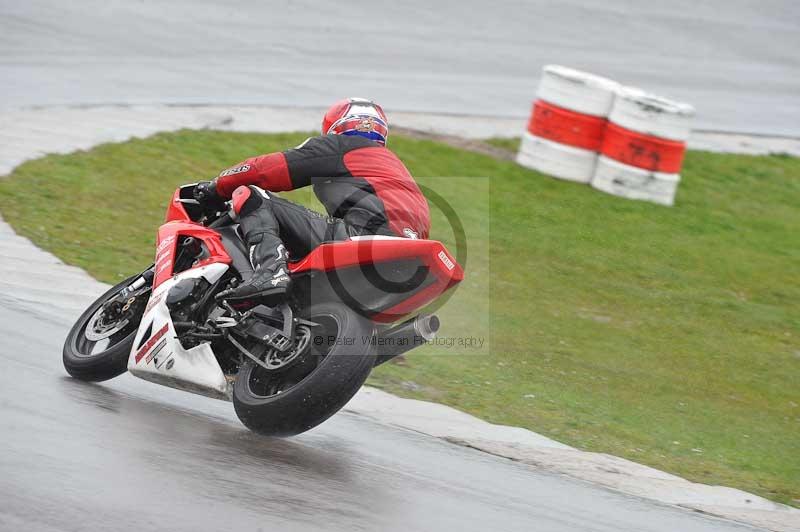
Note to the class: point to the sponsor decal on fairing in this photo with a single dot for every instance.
(154, 353)
(164, 243)
(154, 300)
(151, 342)
(446, 260)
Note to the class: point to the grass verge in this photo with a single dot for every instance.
(667, 336)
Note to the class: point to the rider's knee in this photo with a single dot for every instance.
(247, 199)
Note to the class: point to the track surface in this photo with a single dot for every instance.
(735, 60)
(129, 455)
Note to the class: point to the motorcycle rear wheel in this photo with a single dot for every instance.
(288, 402)
(82, 357)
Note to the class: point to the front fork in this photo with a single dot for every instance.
(145, 279)
(128, 296)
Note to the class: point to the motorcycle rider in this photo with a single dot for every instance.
(365, 188)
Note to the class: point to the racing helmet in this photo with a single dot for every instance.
(356, 116)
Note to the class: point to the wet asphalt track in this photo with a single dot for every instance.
(129, 455)
(735, 60)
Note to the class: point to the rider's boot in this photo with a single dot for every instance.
(270, 282)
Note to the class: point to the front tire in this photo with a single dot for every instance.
(338, 368)
(81, 357)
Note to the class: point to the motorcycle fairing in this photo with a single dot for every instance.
(169, 236)
(441, 271)
(158, 355)
(182, 205)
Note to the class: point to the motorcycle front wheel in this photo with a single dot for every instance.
(98, 346)
(291, 400)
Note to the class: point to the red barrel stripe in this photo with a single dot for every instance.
(561, 125)
(642, 151)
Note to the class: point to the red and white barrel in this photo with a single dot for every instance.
(643, 147)
(565, 130)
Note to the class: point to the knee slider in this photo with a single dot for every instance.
(247, 199)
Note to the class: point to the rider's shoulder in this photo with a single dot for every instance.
(315, 145)
(333, 142)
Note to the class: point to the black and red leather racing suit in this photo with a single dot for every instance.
(364, 187)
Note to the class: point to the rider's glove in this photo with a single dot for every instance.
(205, 191)
(206, 195)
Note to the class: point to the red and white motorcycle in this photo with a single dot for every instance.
(287, 368)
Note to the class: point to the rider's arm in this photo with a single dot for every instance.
(318, 157)
(266, 171)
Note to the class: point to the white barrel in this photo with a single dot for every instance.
(634, 183)
(643, 147)
(653, 115)
(577, 91)
(557, 160)
(567, 120)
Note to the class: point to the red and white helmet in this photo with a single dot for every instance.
(356, 116)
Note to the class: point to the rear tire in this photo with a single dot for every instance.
(106, 364)
(340, 372)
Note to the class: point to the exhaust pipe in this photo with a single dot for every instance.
(404, 337)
